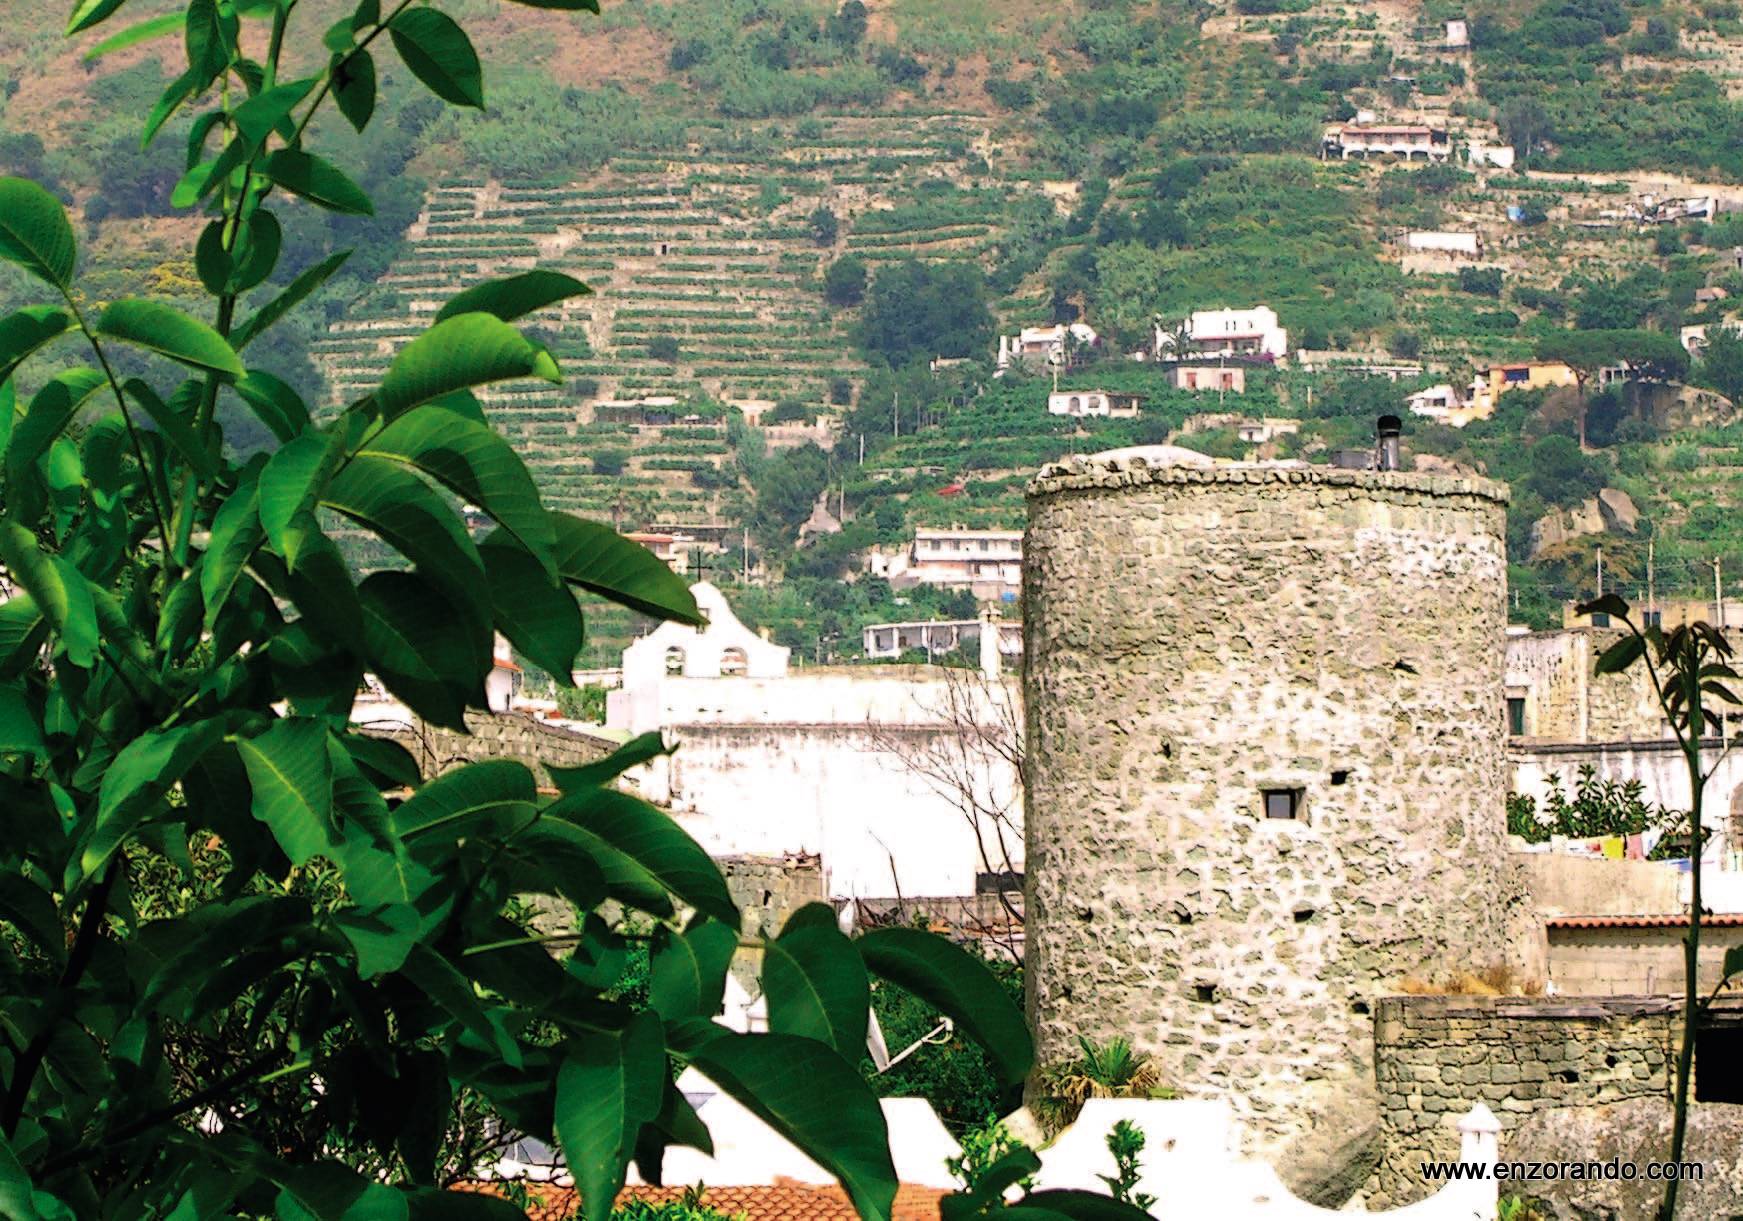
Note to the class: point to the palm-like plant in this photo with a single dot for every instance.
(1108, 1070)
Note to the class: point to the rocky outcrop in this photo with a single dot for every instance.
(1610, 511)
(1634, 1131)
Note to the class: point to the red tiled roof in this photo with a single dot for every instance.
(1712, 920)
(784, 1201)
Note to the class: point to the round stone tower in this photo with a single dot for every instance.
(1265, 777)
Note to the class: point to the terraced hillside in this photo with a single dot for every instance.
(705, 277)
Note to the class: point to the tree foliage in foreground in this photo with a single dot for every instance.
(251, 963)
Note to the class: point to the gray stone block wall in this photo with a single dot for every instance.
(1194, 636)
(494, 735)
(1435, 1057)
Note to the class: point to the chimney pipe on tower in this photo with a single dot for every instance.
(1386, 452)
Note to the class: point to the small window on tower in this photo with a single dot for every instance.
(1516, 716)
(1283, 803)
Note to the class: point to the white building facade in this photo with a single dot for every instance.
(885, 772)
(1254, 331)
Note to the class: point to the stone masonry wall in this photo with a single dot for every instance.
(768, 889)
(1193, 637)
(494, 735)
(1435, 1057)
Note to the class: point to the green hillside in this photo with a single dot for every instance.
(786, 208)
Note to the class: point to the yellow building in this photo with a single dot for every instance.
(1496, 380)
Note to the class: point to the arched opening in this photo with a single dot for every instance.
(733, 663)
(674, 660)
(1076, 404)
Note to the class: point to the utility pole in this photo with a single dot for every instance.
(1718, 597)
(1600, 572)
(1651, 583)
(746, 555)
(862, 449)
(896, 414)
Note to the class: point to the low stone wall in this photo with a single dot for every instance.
(1437, 1056)
(493, 735)
(768, 889)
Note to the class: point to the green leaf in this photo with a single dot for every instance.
(177, 431)
(1077, 1206)
(24, 331)
(636, 837)
(132, 36)
(56, 588)
(538, 614)
(603, 562)
(204, 178)
(211, 39)
(1610, 604)
(1733, 962)
(419, 647)
(51, 409)
(17, 1201)
(269, 111)
(609, 1086)
(293, 480)
(274, 404)
(30, 909)
(87, 13)
(22, 632)
(815, 983)
(175, 93)
(319, 181)
(453, 992)
(20, 732)
(169, 332)
(440, 55)
(688, 977)
(514, 296)
(242, 268)
(633, 753)
(475, 464)
(567, 6)
(1619, 656)
(407, 514)
(292, 779)
(138, 777)
(385, 761)
(354, 87)
(810, 1095)
(289, 299)
(456, 354)
(958, 985)
(236, 534)
(496, 791)
(381, 935)
(35, 232)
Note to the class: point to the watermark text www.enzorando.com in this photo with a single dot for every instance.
(1612, 1170)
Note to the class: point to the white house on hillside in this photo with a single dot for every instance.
(1253, 332)
(1050, 345)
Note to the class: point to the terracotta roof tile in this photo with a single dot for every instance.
(1711, 920)
(784, 1201)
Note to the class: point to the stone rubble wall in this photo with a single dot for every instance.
(494, 735)
(1194, 636)
(1437, 1056)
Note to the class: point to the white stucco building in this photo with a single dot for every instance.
(987, 563)
(1048, 345)
(877, 769)
(1079, 403)
(1254, 331)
